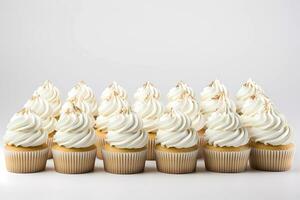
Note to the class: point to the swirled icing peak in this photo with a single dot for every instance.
(224, 129)
(83, 92)
(75, 129)
(50, 93)
(180, 91)
(175, 130)
(25, 129)
(269, 127)
(125, 131)
(147, 91)
(114, 89)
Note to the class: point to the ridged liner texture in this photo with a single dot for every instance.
(100, 142)
(74, 162)
(151, 148)
(271, 160)
(124, 162)
(176, 162)
(49, 142)
(26, 161)
(226, 161)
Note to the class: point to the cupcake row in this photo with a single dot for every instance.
(224, 132)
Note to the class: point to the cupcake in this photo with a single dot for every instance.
(114, 88)
(189, 106)
(82, 92)
(149, 109)
(248, 90)
(111, 104)
(271, 140)
(125, 149)
(51, 94)
(213, 97)
(25, 146)
(227, 148)
(43, 109)
(176, 144)
(74, 151)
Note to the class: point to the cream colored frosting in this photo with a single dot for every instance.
(255, 104)
(148, 106)
(25, 129)
(269, 127)
(114, 89)
(42, 108)
(84, 93)
(82, 105)
(109, 107)
(175, 130)
(224, 129)
(51, 94)
(214, 89)
(248, 90)
(190, 107)
(180, 90)
(125, 131)
(75, 129)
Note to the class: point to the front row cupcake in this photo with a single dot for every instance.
(176, 144)
(227, 148)
(25, 147)
(74, 150)
(125, 150)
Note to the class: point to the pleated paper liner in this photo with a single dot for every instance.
(124, 161)
(201, 142)
(100, 142)
(226, 159)
(49, 142)
(271, 158)
(74, 160)
(176, 161)
(25, 159)
(151, 146)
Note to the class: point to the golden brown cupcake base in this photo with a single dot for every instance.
(100, 142)
(25, 159)
(201, 143)
(124, 161)
(176, 161)
(74, 160)
(226, 159)
(151, 146)
(271, 158)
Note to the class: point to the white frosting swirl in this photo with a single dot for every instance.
(269, 127)
(109, 107)
(49, 92)
(74, 129)
(146, 92)
(42, 108)
(84, 93)
(114, 89)
(190, 107)
(175, 131)
(214, 89)
(125, 131)
(248, 90)
(25, 129)
(224, 130)
(181, 90)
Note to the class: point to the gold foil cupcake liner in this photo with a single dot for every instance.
(49, 142)
(100, 143)
(74, 162)
(26, 161)
(271, 160)
(226, 161)
(124, 162)
(176, 162)
(151, 148)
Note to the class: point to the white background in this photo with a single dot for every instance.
(162, 41)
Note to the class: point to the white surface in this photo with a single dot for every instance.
(162, 41)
